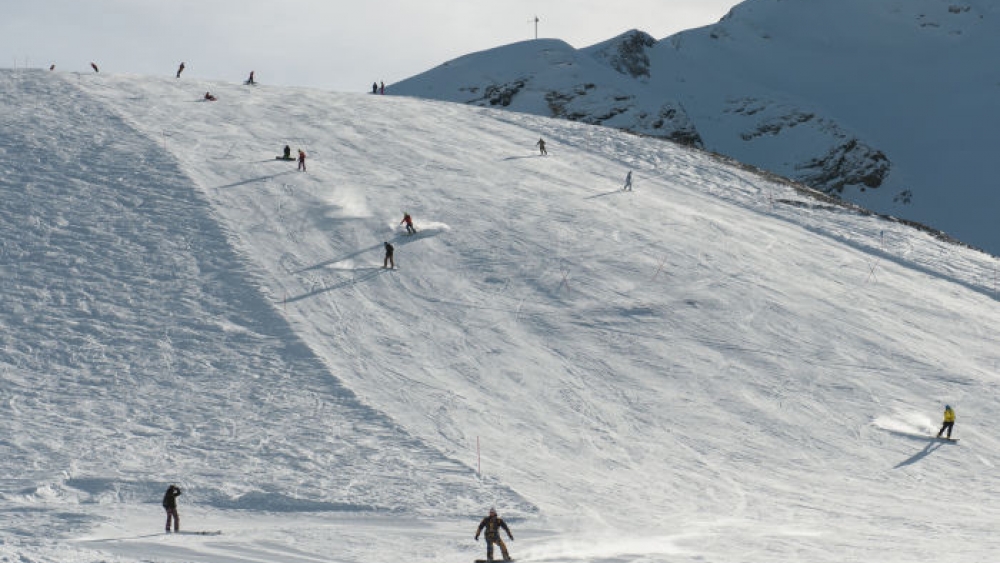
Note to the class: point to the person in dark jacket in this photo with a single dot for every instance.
(491, 526)
(388, 261)
(541, 147)
(170, 505)
(180, 69)
(287, 154)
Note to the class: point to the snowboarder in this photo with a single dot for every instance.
(250, 80)
(381, 87)
(302, 160)
(209, 97)
(287, 153)
(409, 223)
(180, 69)
(93, 66)
(492, 525)
(52, 67)
(949, 421)
(541, 147)
(388, 262)
(170, 505)
(374, 87)
(628, 182)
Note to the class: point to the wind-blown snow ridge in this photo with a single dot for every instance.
(715, 366)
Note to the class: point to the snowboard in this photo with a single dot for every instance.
(501, 560)
(289, 159)
(199, 533)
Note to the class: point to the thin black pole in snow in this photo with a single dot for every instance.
(479, 459)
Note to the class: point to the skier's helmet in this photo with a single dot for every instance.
(493, 512)
(947, 407)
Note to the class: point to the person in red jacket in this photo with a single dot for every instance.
(302, 160)
(409, 223)
(492, 525)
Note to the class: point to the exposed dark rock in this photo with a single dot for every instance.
(628, 55)
(850, 164)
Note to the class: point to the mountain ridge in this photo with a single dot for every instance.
(886, 104)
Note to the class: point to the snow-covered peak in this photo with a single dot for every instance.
(891, 104)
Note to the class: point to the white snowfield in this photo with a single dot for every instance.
(713, 367)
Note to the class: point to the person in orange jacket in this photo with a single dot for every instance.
(302, 160)
(492, 525)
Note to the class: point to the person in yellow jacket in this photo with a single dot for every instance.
(949, 421)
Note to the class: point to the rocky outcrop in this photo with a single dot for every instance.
(850, 164)
(627, 54)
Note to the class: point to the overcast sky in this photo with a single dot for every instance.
(330, 44)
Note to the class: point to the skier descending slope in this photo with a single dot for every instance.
(492, 525)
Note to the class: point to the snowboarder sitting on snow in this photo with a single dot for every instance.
(209, 97)
(388, 262)
(170, 505)
(409, 223)
(541, 147)
(287, 153)
(492, 525)
(949, 421)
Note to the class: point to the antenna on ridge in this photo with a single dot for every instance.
(536, 25)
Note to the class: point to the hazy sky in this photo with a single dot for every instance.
(330, 44)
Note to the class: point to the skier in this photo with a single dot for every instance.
(180, 69)
(628, 182)
(381, 87)
(170, 505)
(492, 524)
(93, 66)
(409, 223)
(374, 87)
(302, 160)
(949, 421)
(541, 147)
(388, 262)
(287, 154)
(250, 80)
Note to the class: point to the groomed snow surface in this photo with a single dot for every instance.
(713, 367)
